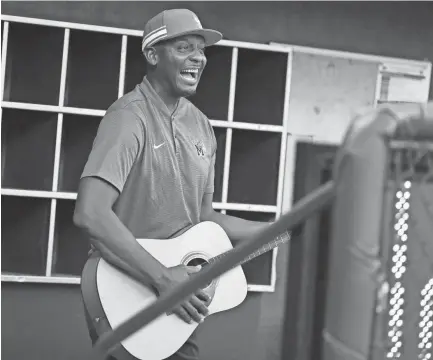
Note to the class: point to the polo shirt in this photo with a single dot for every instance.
(162, 163)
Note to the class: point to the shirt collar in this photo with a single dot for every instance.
(147, 88)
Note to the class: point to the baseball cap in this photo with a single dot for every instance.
(172, 23)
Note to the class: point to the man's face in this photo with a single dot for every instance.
(180, 64)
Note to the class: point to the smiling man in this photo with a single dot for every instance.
(150, 173)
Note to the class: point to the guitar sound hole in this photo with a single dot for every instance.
(197, 262)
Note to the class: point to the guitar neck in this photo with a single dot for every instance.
(283, 238)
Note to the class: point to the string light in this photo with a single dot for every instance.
(426, 322)
(399, 258)
(397, 300)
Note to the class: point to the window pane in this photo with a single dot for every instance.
(93, 69)
(260, 84)
(258, 270)
(77, 139)
(28, 144)
(71, 246)
(254, 167)
(24, 233)
(212, 95)
(34, 63)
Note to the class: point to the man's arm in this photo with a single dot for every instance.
(94, 215)
(237, 229)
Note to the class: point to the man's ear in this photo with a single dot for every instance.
(151, 55)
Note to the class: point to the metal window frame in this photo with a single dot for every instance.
(287, 147)
(54, 195)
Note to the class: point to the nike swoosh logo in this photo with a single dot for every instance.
(158, 146)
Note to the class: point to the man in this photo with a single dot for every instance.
(150, 173)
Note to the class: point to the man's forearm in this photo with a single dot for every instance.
(115, 260)
(119, 247)
(236, 228)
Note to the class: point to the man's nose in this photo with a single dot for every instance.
(198, 55)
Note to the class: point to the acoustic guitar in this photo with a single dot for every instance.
(111, 296)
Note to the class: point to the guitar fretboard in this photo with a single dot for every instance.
(267, 247)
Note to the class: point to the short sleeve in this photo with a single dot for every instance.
(209, 189)
(118, 142)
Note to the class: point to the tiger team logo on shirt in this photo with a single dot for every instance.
(201, 149)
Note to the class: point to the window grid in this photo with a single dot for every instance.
(4, 52)
(229, 131)
(59, 195)
(52, 224)
(61, 109)
(286, 163)
(100, 113)
(122, 66)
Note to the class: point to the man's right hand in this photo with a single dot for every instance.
(195, 307)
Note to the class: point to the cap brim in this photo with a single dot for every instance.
(211, 37)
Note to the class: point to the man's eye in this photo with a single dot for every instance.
(183, 47)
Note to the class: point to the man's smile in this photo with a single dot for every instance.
(190, 75)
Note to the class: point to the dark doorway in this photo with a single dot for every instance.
(308, 259)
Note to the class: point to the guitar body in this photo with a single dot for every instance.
(111, 291)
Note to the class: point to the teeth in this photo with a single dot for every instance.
(191, 71)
